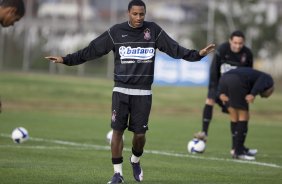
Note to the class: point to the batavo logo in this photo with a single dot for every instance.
(136, 53)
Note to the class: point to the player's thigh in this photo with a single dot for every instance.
(140, 108)
(120, 111)
(243, 115)
(233, 114)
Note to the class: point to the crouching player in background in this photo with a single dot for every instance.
(237, 89)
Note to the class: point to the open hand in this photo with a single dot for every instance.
(55, 59)
(223, 98)
(205, 51)
(250, 98)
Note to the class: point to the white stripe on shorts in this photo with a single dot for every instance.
(128, 91)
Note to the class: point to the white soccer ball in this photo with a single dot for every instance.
(196, 146)
(109, 136)
(19, 135)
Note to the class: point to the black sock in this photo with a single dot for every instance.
(207, 116)
(240, 137)
(117, 160)
(233, 129)
(137, 154)
(245, 132)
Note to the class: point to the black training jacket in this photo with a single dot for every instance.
(225, 60)
(134, 53)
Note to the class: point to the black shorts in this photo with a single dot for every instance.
(130, 111)
(236, 91)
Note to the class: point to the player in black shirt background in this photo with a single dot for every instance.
(237, 89)
(229, 55)
(11, 11)
(134, 45)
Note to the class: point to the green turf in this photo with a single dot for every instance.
(68, 118)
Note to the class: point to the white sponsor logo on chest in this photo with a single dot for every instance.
(136, 53)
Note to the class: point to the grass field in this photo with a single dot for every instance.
(68, 118)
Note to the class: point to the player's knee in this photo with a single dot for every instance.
(117, 134)
(210, 101)
(139, 136)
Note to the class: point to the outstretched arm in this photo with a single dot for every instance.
(169, 46)
(97, 48)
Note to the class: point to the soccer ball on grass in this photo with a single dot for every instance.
(19, 135)
(196, 146)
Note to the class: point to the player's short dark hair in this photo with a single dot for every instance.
(18, 4)
(136, 3)
(268, 81)
(237, 33)
(269, 86)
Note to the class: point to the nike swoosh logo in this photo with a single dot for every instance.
(123, 36)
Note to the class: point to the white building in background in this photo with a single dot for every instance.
(167, 11)
(67, 9)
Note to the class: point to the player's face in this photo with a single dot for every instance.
(10, 18)
(136, 16)
(236, 43)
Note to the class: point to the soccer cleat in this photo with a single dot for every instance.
(137, 171)
(244, 157)
(251, 152)
(117, 178)
(201, 136)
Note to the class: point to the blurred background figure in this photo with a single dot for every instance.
(229, 55)
(11, 11)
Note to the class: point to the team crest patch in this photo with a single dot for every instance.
(243, 58)
(114, 114)
(147, 34)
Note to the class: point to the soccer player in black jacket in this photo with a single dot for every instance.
(134, 45)
(229, 55)
(238, 88)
